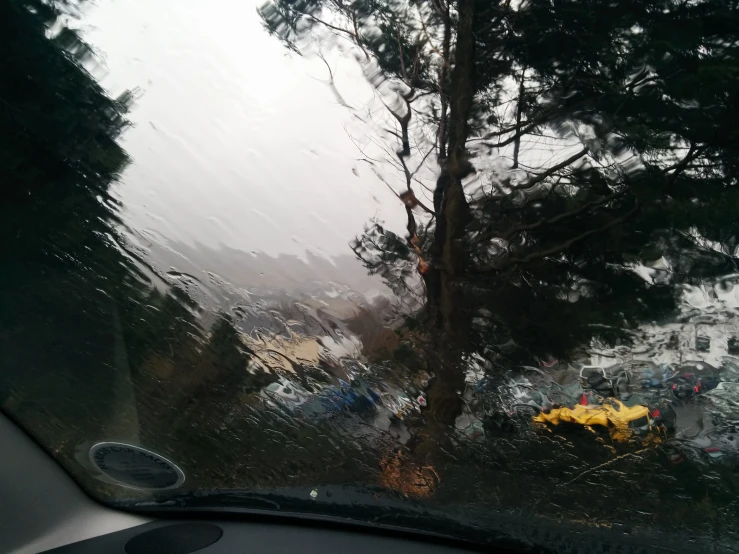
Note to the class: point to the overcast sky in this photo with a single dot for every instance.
(235, 141)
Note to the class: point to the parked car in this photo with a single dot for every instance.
(284, 394)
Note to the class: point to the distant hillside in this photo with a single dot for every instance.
(259, 270)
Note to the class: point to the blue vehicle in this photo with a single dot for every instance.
(342, 398)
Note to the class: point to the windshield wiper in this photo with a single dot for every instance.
(368, 507)
(375, 508)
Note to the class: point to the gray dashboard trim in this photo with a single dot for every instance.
(42, 506)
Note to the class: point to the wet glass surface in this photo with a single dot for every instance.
(464, 267)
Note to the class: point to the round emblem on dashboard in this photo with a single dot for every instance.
(135, 467)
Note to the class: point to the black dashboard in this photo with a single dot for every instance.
(229, 537)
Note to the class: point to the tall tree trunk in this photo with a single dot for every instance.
(452, 215)
(450, 202)
(462, 89)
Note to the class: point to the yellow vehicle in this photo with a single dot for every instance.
(623, 423)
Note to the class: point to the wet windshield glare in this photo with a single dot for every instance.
(459, 266)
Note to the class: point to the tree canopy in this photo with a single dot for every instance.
(575, 142)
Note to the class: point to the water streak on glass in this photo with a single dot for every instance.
(457, 266)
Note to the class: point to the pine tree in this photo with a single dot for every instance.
(524, 254)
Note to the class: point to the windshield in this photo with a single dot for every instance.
(457, 266)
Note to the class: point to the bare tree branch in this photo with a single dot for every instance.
(422, 160)
(408, 177)
(549, 172)
(322, 22)
(681, 166)
(332, 84)
(357, 39)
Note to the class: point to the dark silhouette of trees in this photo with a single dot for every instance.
(63, 270)
(92, 342)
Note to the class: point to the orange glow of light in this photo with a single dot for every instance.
(402, 475)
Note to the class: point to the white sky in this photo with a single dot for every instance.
(235, 141)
